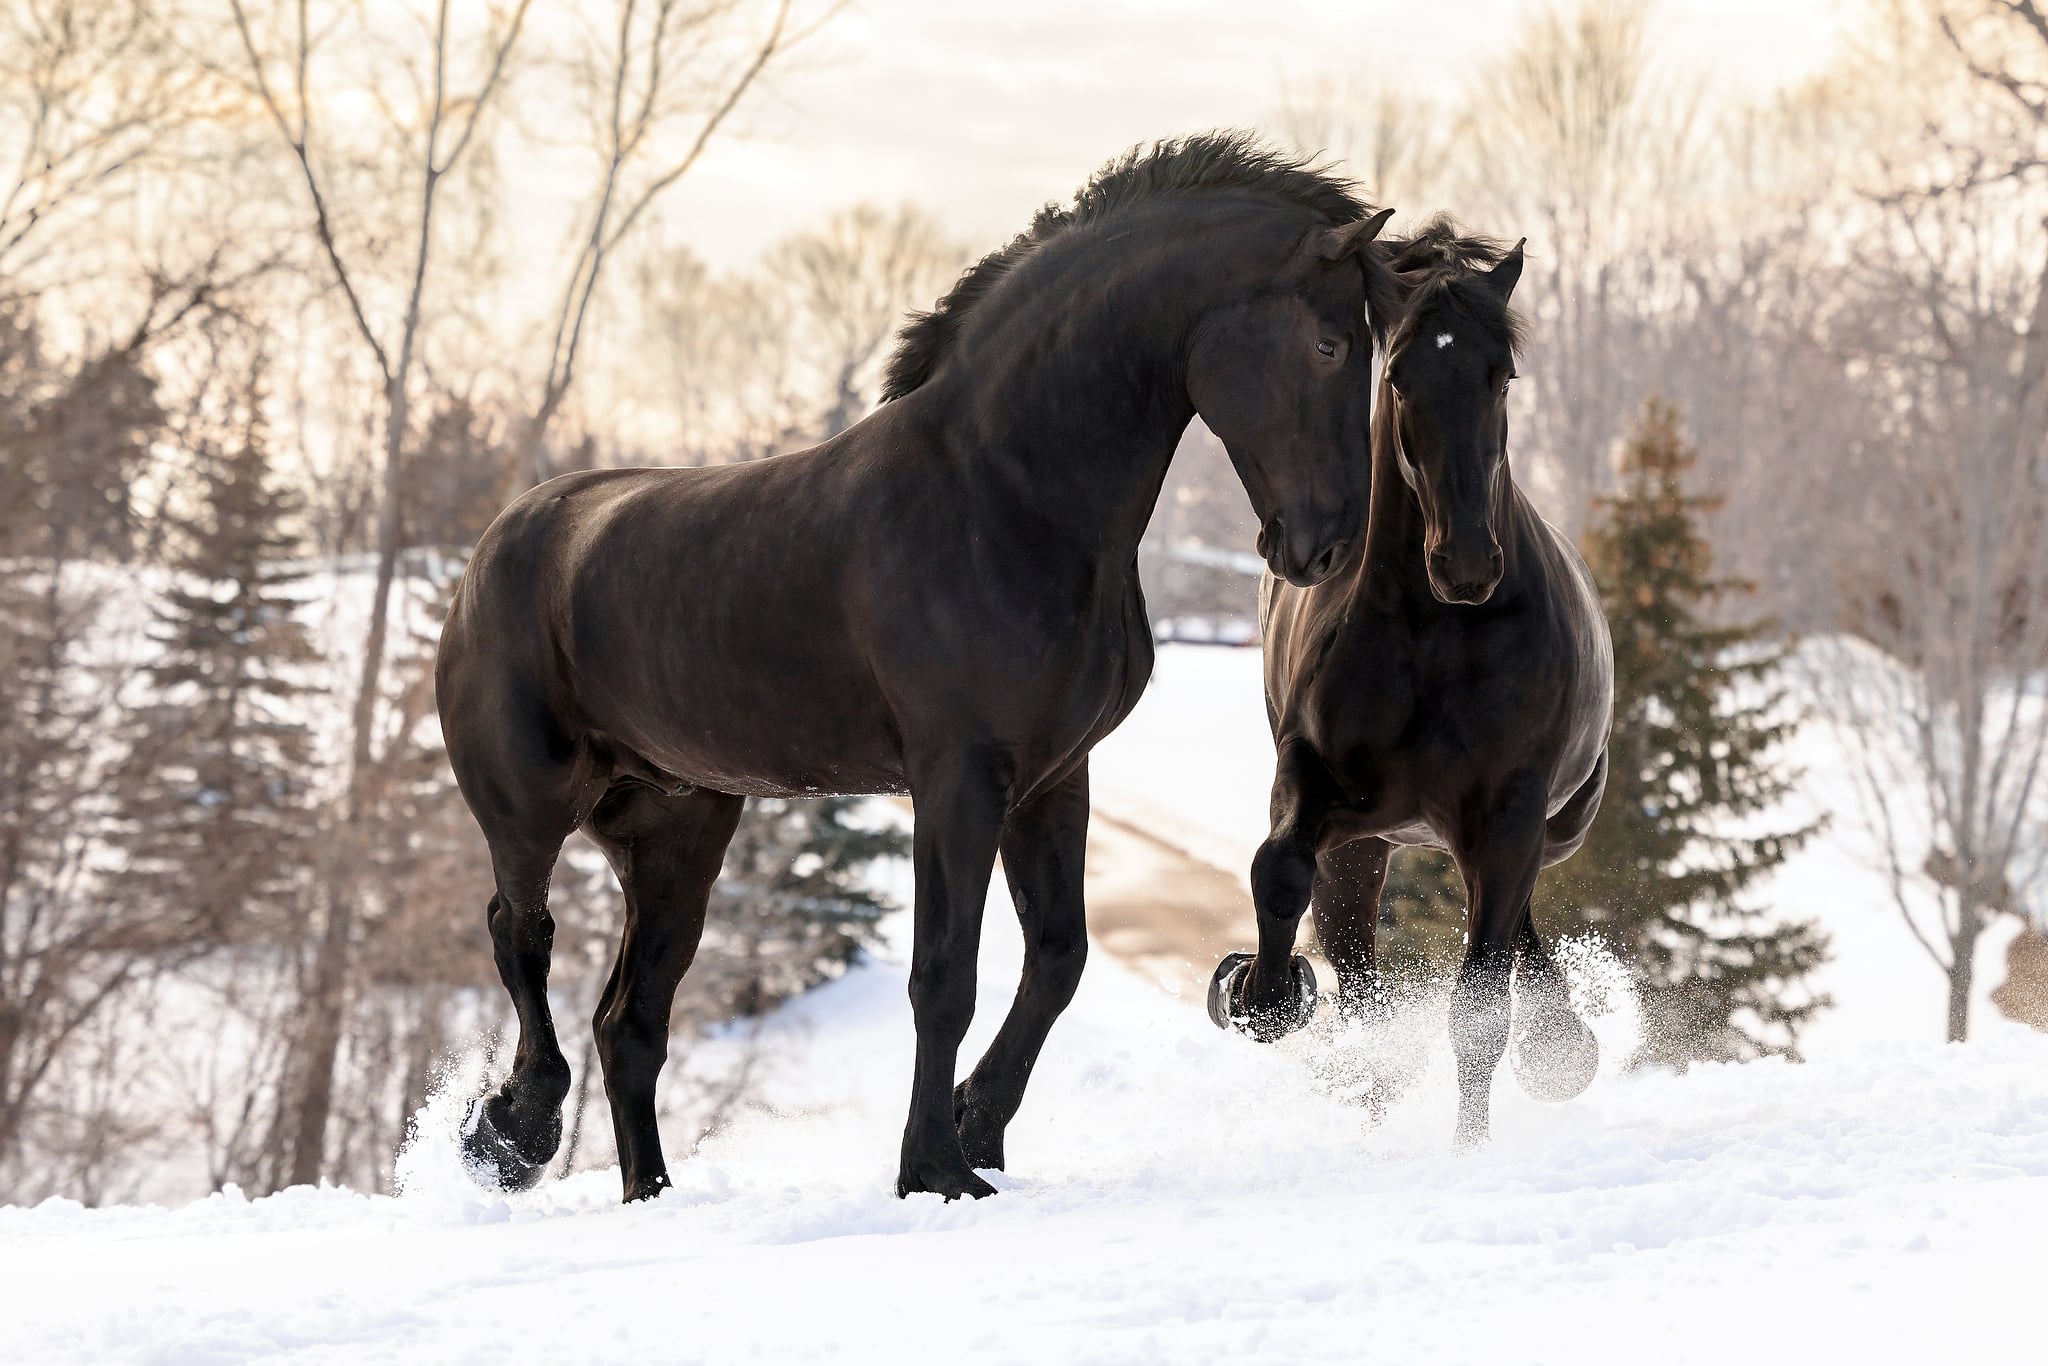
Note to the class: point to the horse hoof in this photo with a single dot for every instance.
(949, 1184)
(493, 1159)
(1556, 1058)
(981, 1138)
(1229, 1010)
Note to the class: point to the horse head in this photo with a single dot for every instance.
(1448, 369)
(1282, 375)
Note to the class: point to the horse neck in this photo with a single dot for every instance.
(1077, 394)
(1394, 525)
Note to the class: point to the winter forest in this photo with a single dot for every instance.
(296, 297)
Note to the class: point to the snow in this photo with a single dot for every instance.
(1175, 1193)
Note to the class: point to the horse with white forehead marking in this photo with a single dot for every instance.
(1453, 688)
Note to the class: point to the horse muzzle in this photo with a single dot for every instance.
(1303, 561)
(1465, 580)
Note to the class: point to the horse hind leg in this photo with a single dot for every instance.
(510, 1136)
(527, 784)
(667, 851)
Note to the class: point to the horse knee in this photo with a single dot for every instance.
(1282, 873)
(1057, 961)
(626, 1036)
(941, 1001)
(519, 931)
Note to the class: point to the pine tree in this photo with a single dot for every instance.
(792, 907)
(215, 796)
(1697, 720)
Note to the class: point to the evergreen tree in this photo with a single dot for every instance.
(215, 795)
(791, 908)
(1697, 718)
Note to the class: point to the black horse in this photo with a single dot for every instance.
(942, 599)
(1454, 689)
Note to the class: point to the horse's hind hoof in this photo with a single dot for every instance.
(1228, 1008)
(493, 1159)
(1556, 1057)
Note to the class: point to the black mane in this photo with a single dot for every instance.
(1439, 266)
(1208, 161)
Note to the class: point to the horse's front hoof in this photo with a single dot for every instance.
(943, 1179)
(1556, 1057)
(1230, 1009)
(646, 1188)
(492, 1158)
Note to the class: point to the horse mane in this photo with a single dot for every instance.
(1441, 264)
(1229, 160)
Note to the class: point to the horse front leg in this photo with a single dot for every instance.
(1044, 847)
(1272, 993)
(959, 803)
(1500, 859)
(1556, 1055)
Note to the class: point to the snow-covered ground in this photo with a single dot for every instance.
(1174, 1193)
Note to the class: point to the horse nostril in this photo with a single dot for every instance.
(1319, 567)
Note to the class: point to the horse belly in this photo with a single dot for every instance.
(755, 712)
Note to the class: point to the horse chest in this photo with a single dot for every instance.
(1406, 718)
(1096, 675)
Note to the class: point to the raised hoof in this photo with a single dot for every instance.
(1228, 1008)
(981, 1138)
(493, 1159)
(943, 1180)
(1555, 1057)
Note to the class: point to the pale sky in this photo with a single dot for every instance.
(981, 110)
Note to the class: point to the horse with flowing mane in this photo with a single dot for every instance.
(942, 599)
(1453, 688)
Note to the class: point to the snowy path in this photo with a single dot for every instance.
(1176, 1194)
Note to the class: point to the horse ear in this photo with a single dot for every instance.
(1503, 276)
(1334, 244)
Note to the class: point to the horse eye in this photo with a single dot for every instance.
(1326, 347)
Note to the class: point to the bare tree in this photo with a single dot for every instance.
(717, 348)
(1393, 139)
(88, 94)
(853, 278)
(665, 80)
(1950, 344)
(1575, 141)
(431, 137)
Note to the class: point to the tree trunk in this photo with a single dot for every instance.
(327, 1001)
(1962, 970)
